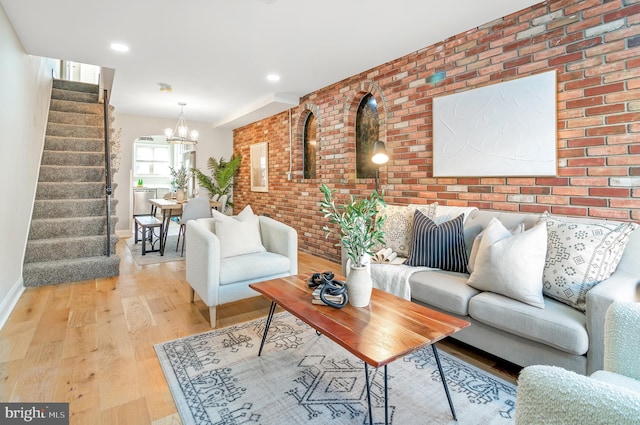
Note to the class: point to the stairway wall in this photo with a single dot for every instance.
(26, 89)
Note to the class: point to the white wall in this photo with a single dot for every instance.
(25, 90)
(212, 142)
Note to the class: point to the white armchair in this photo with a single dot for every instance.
(551, 395)
(219, 279)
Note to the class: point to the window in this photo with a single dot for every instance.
(367, 130)
(151, 160)
(309, 146)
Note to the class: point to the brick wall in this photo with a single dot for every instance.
(595, 47)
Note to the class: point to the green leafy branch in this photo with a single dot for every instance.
(360, 226)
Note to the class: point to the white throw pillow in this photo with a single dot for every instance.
(476, 244)
(239, 237)
(580, 255)
(219, 216)
(511, 265)
(246, 213)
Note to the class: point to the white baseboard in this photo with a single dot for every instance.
(123, 233)
(9, 302)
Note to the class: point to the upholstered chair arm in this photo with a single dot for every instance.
(203, 261)
(621, 286)
(550, 395)
(281, 239)
(622, 339)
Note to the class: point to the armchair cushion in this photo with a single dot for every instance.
(252, 266)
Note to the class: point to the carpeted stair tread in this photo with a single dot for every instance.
(73, 190)
(76, 86)
(76, 144)
(73, 118)
(74, 270)
(66, 248)
(58, 173)
(76, 107)
(78, 158)
(74, 96)
(68, 130)
(69, 227)
(58, 208)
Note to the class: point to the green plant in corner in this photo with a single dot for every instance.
(360, 227)
(222, 175)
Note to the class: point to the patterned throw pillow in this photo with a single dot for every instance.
(439, 246)
(398, 226)
(581, 255)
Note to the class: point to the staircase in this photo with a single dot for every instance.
(67, 238)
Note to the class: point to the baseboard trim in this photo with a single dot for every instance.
(123, 233)
(9, 302)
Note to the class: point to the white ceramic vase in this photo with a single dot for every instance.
(359, 286)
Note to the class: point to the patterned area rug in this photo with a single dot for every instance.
(170, 253)
(302, 378)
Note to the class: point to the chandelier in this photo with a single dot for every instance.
(181, 134)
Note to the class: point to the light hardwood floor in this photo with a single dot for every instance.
(91, 343)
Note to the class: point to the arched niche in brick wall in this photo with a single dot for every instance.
(362, 91)
(303, 155)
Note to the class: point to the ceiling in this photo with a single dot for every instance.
(216, 54)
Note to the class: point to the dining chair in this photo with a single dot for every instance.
(223, 203)
(215, 197)
(194, 209)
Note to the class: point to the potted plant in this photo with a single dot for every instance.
(222, 175)
(181, 180)
(359, 229)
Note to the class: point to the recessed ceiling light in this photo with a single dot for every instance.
(119, 47)
(165, 88)
(273, 77)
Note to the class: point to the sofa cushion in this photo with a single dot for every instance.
(440, 246)
(445, 290)
(580, 255)
(252, 266)
(557, 325)
(511, 265)
(398, 225)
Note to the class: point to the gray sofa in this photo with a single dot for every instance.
(557, 335)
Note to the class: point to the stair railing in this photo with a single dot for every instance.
(107, 169)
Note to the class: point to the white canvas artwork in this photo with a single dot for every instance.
(506, 129)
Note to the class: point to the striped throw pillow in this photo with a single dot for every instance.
(438, 246)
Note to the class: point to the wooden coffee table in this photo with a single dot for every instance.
(388, 329)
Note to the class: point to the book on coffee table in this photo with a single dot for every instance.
(315, 297)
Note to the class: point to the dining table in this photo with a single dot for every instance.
(170, 208)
